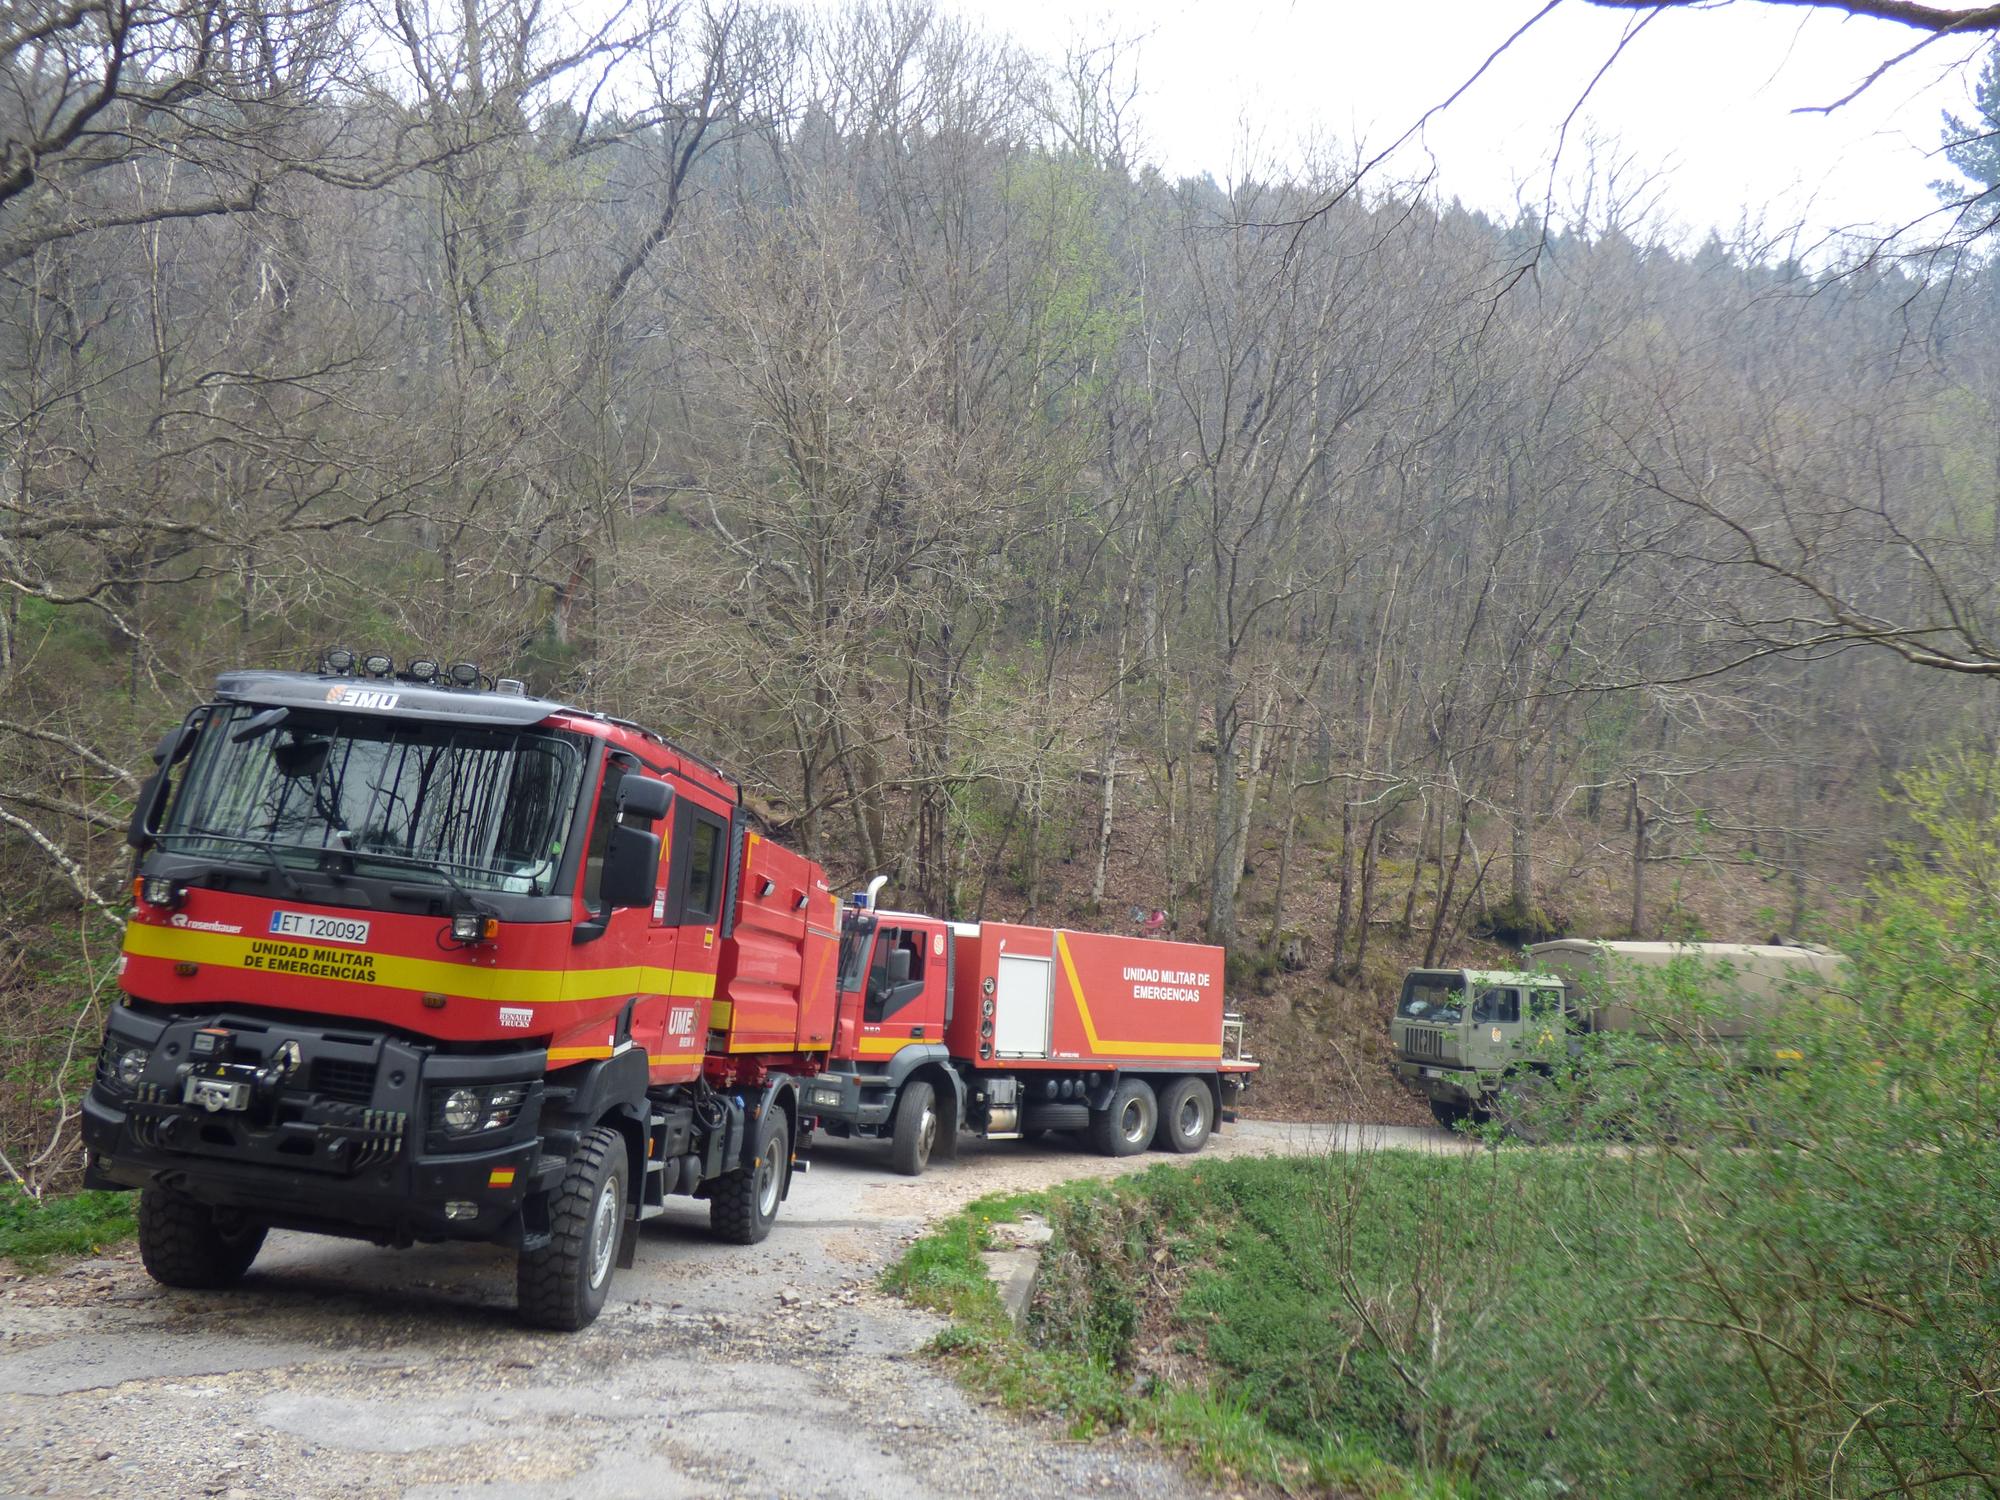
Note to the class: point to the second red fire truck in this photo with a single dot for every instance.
(415, 956)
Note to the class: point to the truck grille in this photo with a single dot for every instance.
(1421, 1043)
(340, 1078)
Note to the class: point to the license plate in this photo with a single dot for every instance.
(217, 1094)
(1433, 1072)
(318, 929)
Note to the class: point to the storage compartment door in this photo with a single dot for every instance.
(1021, 1008)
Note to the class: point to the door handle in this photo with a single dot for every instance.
(916, 1033)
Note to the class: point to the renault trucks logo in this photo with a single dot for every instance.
(361, 697)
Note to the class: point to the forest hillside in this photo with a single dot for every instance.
(1352, 578)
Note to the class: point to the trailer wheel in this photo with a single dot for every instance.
(1126, 1128)
(564, 1284)
(1187, 1115)
(916, 1128)
(743, 1205)
(188, 1244)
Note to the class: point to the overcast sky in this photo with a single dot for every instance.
(1705, 99)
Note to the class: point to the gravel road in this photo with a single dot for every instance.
(342, 1370)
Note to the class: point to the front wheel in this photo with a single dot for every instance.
(743, 1205)
(1187, 1115)
(190, 1245)
(564, 1284)
(916, 1129)
(1127, 1126)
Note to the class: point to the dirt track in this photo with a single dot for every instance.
(343, 1370)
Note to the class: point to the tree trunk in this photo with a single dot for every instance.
(1522, 849)
(1114, 732)
(1639, 830)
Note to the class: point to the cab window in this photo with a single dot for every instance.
(1497, 1006)
(896, 977)
(1544, 1004)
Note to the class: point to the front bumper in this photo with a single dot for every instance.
(1444, 1083)
(307, 1157)
(850, 1101)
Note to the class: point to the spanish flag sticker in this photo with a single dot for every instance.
(500, 1177)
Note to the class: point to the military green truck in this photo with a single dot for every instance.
(1463, 1037)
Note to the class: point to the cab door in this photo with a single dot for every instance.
(697, 876)
(905, 997)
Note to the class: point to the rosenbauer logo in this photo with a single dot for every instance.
(183, 920)
(360, 697)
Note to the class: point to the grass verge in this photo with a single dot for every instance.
(34, 1231)
(1073, 1361)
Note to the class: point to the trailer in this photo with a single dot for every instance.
(1009, 1032)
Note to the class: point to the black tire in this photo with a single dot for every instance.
(915, 1130)
(1187, 1115)
(1449, 1113)
(188, 1244)
(1126, 1128)
(564, 1284)
(743, 1205)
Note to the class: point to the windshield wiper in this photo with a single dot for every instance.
(287, 881)
(411, 861)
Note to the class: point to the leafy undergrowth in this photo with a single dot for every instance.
(34, 1231)
(1074, 1361)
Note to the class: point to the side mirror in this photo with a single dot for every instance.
(639, 797)
(631, 866)
(899, 966)
(172, 749)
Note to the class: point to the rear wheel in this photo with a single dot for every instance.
(1127, 1126)
(743, 1205)
(1187, 1115)
(916, 1128)
(1448, 1112)
(564, 1284)
(188, 1244)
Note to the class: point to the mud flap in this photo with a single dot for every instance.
(628, 1244)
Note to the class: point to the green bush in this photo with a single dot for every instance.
(1712, 1278)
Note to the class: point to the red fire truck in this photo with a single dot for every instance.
(1010, 1031)
(415, 956)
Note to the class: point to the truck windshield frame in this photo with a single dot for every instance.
(407, 798)
(1436, 999)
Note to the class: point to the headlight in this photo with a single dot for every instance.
(132, 1066)
(461, 1109)
(472, 1108)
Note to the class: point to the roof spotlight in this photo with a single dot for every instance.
(375, 664)
(420, 669)
(337, 662)
(463, 674)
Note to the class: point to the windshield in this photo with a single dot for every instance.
(487, 808)
(1437, 998)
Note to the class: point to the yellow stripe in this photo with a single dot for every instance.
(510, 986)
(882, 1046)
(720, 1014)
(1130, 1049)
(576, 1054)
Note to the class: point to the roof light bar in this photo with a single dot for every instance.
(336, 662)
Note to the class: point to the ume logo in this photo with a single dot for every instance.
(681, 1020)
(358, 697)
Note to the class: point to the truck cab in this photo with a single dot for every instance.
(1458, 1033)
(890, 1072)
